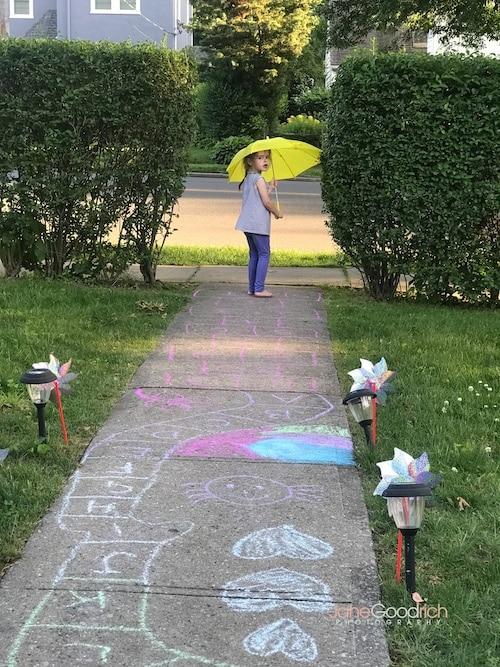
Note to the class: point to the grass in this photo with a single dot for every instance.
(108, 332)
(446, 402)
(438, 353)
(230, 256)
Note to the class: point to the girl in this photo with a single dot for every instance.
(255, 220)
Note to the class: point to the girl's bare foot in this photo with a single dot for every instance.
(264, 294)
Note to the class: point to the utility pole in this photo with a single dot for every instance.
(4, 18)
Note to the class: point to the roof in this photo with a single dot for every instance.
(45, 27)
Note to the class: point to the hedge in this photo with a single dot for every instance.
(96, 136)
(411, 172)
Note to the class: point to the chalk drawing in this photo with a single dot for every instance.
(162, 402)
(282, 636)
(77, 622)
(102, 651)
(260, 416)
(292, 444)
(281, 541)
(250, 490)
(273, 589)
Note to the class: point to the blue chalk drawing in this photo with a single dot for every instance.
(303, 448)
(283, 636)
(294, 443)
(281, 541)
(277, 588)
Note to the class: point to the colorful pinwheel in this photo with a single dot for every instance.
(404, 468)
(63, 376)
(375, 377)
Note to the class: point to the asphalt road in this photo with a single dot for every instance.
(210, 205)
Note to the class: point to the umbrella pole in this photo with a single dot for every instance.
(275, 189)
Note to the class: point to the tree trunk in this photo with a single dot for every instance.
(148, 270)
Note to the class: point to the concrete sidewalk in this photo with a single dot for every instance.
(303, 276)
(217, 517)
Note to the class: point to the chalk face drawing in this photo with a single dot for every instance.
(281, 541)
(294, 444)
(283, 636)
(250, 491)
(277, 588)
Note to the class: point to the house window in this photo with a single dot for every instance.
(115, 6)
(21, 9)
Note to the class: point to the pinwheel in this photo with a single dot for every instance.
(373, 376)
(404, 468)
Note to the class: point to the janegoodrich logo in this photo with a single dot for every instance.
(378, 614)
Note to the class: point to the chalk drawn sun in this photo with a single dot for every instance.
(250, 490)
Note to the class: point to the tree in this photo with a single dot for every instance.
(470, 20)
(4, 18)
(250, 45)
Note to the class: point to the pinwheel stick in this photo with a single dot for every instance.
(374, 414)
(61, 414)
(399, 556)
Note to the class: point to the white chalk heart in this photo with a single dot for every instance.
(283, 636)
(281, 541)
(277, 588)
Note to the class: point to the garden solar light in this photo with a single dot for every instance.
(360, 405)
(406, 504)
(39, 383)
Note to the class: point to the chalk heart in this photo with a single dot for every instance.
(283, 636)
(275, 589)
(281, 541)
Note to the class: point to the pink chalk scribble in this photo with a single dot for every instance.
(298, 444)
(162, 402)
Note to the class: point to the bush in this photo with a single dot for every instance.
(224, 150)
(310, 103)
(302, 128)
(410, 172)
(92, 151)
(225, 110)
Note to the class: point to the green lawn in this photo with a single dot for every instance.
(230, 256)
(446, 402)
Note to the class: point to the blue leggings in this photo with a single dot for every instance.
(258, 261)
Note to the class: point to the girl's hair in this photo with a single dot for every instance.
(247, 161)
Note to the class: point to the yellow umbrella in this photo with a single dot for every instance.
(289, 158)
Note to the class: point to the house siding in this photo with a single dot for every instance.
(157, 22)
(19, 27)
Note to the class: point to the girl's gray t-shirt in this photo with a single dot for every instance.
(254, 216)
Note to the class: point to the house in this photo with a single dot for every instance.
(418, 42)
(159, 21)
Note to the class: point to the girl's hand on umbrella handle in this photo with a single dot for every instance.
(273, 185)
(278, 215)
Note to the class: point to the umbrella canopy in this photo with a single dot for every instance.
(289, 158)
